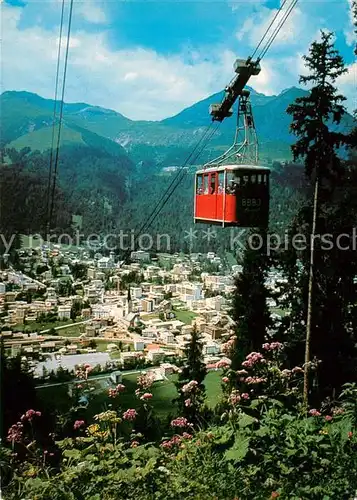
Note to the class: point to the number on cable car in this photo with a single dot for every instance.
(232, 195)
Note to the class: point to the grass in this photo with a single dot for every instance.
(185, 316)
(37, 327)
(164, 392)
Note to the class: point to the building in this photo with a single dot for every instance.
(189, 291)
(116, 377)
(140, 256)
(167, 369)
(147, 305)
(136, 292)
(139, 344)
(64, 312)
(167, 337)
(155, 355)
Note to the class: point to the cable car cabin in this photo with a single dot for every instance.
(232, 195)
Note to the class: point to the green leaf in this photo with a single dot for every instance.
(239, 449)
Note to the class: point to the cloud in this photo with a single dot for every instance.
(347, 85)
(138, 82)
(90, 11)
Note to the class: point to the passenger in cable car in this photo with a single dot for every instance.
(220, 188)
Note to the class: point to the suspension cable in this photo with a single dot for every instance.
(277, 29)
(268, 28)
(61, 113)
(207, 136)
(177, 175)
(184, 173)
(54, 121)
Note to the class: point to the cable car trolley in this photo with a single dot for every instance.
(233, 190)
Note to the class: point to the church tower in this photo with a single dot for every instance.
(129, 303)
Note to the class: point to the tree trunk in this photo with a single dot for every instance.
(310, 297)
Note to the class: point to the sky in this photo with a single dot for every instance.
(150, 59)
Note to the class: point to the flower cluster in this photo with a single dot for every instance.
(113, 393)
(228, 347)
(146, 396)
(15, 433)
(130, 415)
(83, 371)
(241, 372)
(188, 402)
(175, 441)
(94, 430)
(234, 398)
(255, 380)
(29, 415)
(145, 380)
(191, 386)
(78, 424)
(314, 413)
(252, 359)
(274, 346)
(297, 369)
(180, 422)
(223, 363)
(108, 416)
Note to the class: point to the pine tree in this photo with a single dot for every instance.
(249, 308)
(324, 278)
(190, 399)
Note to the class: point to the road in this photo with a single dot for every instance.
(78, 381)
(66, 326)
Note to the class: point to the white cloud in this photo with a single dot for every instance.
(347, 84)
(90, 11)
(139, 83)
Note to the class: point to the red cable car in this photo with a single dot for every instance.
(232, 195)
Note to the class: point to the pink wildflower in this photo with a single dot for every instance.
(134, 444)
(245, 395)
(274, 346)
(191, 386)
(234, 398)
(78, 424)
(297, 369)
(286, 373)
(223, 363)
(225, 380)
(328, 418)
(15, 433)
(130, 414)
(252, 359)
(350, 434)
(120, 388)
(180, 422)
(186, 435)
(242, 372)
(314, 413)
(188, 403)
(146, 396)
(145, 381)
(29, 415)
(255, 380)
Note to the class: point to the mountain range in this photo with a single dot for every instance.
(109, 165)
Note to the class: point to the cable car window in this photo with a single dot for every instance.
(253, 179)
(220, 182)
(230, 186)
(213, 183)
(245, 180)
(199, 184)
(259, 179)
(239, 180)
(264, 179)
(205, 184)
